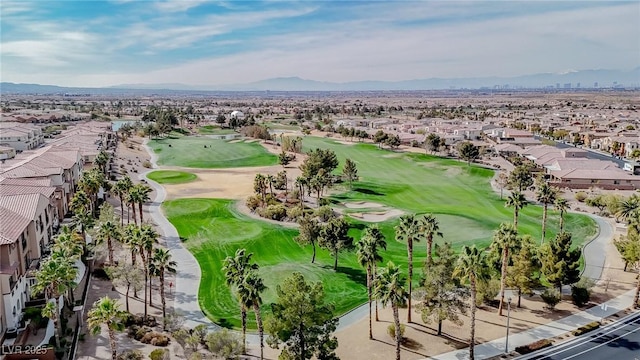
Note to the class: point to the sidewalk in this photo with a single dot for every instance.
(552, 329)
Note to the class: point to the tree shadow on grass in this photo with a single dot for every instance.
(223, 322)
(356, 275)
(367, 191)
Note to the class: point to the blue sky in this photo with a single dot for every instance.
(196, 42)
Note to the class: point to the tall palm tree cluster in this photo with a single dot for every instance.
(56, 277)
(242, 276)
(58, 273)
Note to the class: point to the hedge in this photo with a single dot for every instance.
(540, 344)
(587, 328)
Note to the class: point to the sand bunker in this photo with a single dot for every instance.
(236, 141)
(343, 142)
(380, 216)
(361, 205)
(379, 212)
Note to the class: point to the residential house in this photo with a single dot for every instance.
(21, 137)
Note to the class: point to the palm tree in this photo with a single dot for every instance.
(121, 190)
(431, 227)
(505, 238)
(472, 265)
(389, 290)
(300, 183)
(91, 182)
(408, 230)
(162, 264)
(81, 221)
(132, 199)
(517, 201)
(101, 161)
(561, 205)
(54, 277)
(249, 291)
(106, 311)
(79, 202)
(140, 195)
(546, 195)
(131, 238)
(368, 256)
(628, 207)
(260, 187)
(235, 270)
(270, 179)
(148, 237)
(108, 231)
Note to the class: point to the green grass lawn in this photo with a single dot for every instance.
(190, 151)
(460, 197)
(171, 176)
(214, 130)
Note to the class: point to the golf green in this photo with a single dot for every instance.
(459, 196)
(171, 176)
(203, 152)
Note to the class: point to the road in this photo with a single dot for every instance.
(594, 251)
(620, 341)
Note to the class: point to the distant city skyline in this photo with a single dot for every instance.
(95, 43)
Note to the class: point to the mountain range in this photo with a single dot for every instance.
(584, 79)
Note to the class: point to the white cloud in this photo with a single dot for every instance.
(371, 47)
(178, 5)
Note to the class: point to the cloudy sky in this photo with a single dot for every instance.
(195, 42)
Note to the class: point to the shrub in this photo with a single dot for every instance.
(391, 330)
(581, 196)
(140, 333)
(325, 213)
(551, 297)
(274, 212)
(580, 295)
(159, 354)
(131, 355)
(253, 202)
(224, 343)
(585, 329)
(146, 164)
(155, 338)
(540, 344)
(293, 213)
(181, 335)
(324, 202)
(487, 291)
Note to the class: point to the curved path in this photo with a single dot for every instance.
(187, 280)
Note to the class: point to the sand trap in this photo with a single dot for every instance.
(380, 216)
(453, 172)
(235, 141)
(251, 140)
(392, 156)
(343, 142)
(361, 205)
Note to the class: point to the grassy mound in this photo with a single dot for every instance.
(191, 152)
(171, 176)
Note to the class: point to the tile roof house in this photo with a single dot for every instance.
(20, 136)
